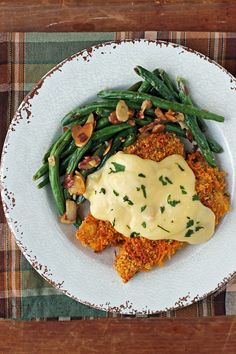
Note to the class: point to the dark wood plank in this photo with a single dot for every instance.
(115, 336)
(117, 15)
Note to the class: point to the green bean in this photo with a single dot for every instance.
(191, 122)
(43, 183)
(70, 149)
(146, 87)
(155, 82)
(54, 172)
(171, 128)
(78, 221)
(144, 121)
(159, 102)
(102, 122)
(103, 112)
(85, 110)
(66, 194)
(131, 137)
(76, 157)
(115, 146)
(41, 171)
(135, 87)
(214, 146)
(168, 82)
(109, 132)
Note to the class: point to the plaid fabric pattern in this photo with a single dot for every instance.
(24, 59)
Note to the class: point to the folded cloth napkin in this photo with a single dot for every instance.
(24, 59)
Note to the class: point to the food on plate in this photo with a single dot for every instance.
(144, 161)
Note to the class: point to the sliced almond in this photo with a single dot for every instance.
(78, 187)
(170, 116)
(159, 113)
(108, 146)
(159, 128)
(71, 210)
(122, 111)
(89, 162)
(183, 125)
(64, 220)
(147, 104)
(113, 118)
(81, 135)
(90, 119)
(179, 116)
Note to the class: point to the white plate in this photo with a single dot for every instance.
(50, 247)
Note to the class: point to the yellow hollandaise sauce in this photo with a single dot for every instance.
(156, 200)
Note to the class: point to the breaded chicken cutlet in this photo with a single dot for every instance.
(142, 254)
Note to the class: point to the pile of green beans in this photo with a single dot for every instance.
(63, 156)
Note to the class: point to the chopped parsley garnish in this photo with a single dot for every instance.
(103, 190)
(117, 168)
(128, 226)
(183, 190)
(160, 227)
(142, 175)
(116, 193)
(189, 233)
(172, 221)
(143, 208)
(144, 225)
(144, 190)
(95, 192)
(126, 199)
(180, 167)
(134, 234)
(138, 189)
(114, 222)
(189, 223)
(172, 202)
(162, 208)
(195, 197)
(112, 209)
(165, 180)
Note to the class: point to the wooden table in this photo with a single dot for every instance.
(153, 335)
(116, 336)
(117, 15)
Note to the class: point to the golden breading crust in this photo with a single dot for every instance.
(141, 254)
(156, 146)
(210, 185)
(98, 234)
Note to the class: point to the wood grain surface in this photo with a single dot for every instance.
(115, 336)
(117, 15)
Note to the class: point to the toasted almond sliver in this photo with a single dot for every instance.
(159, 113)
(71, 210)
(81, 135)
(89, 162)
(90, 119)
(122, 111)
(146, 105)
(179, 116)
(64, 220)
(109, 145)
(78, 186)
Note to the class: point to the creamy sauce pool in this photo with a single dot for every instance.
(156, 200)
